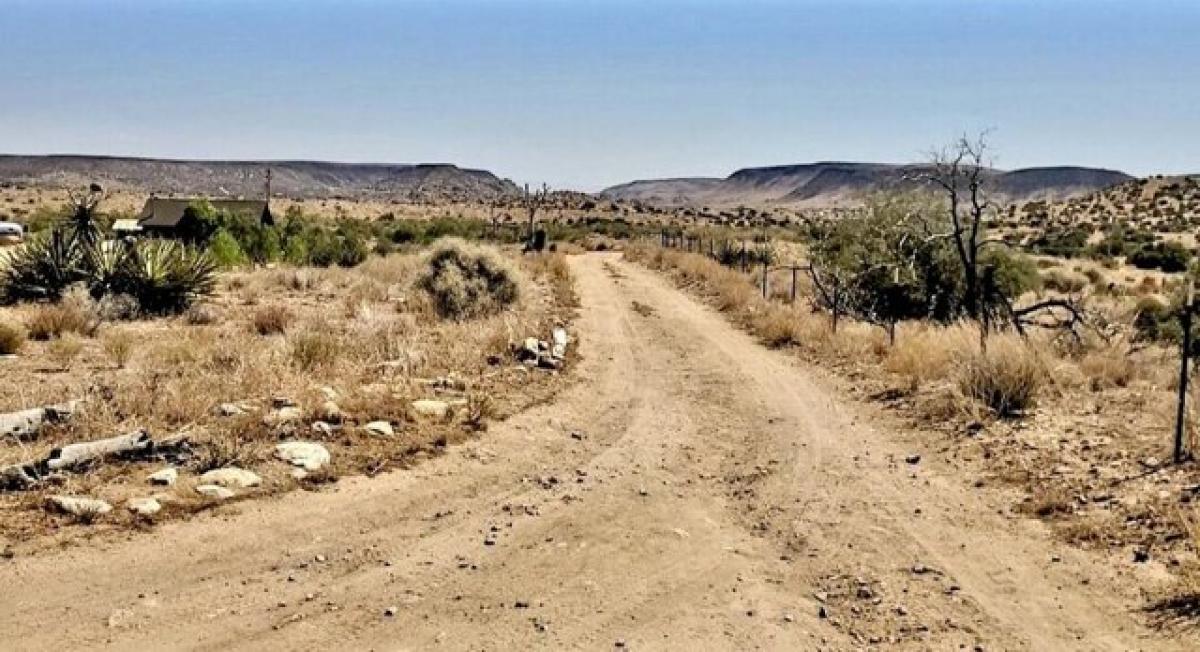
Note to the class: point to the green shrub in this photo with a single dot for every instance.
(225, 250)
(467, 281)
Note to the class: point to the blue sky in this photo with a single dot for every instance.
(589, 93)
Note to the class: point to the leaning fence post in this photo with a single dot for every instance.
(1185, 319)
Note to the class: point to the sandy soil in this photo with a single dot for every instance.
(692, 491)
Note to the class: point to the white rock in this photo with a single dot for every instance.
(214, 491)
(230, 410)
(559, 336)
(322, 428)
(144, 506)
(329, 393)
(165, 477)
(430, 408)
(79, 505)
(231, 476)
(380, 429)
(305, 454)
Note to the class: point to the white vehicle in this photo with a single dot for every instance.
(11, 233)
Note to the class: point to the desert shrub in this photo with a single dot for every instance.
(1107, 368)
(313, 348)
(119, 346)
(1167, 256)
(225, 250)
(65, 349)
(1006, 377)
(200, 314)
(272, 319)
(778, 326)
(75, 313)
(467, 281)
(1063, 281)
(1067, 243)
(12, 337)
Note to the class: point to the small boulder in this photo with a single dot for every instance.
(164, 477)
(79, 506)
(304, 454)
(144, 506)
(380, 429)
(213, 491)
(430, 408)
(231, 477)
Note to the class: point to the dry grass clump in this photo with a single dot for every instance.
(1064, 281)
(780, 326)
(272, 319)
(1108, 367)
(119, 346)
(925, 354)
(468, 281)
(200, 314)
(64, 349)
(550, 266)
(75, 313)
(12, 337)
(314, 347)
(1006, 377)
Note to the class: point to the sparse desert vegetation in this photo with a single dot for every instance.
(374, 364)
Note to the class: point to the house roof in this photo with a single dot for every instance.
(168, 211)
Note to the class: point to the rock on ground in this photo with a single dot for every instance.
(214, 491)
(165, 477)
(144, 506)
(308, 455)
(79, 505)
(232, 477)
(431, 408)
(380, 429)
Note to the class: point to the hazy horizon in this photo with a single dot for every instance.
(587, 95)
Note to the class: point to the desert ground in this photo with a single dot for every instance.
(686, 488)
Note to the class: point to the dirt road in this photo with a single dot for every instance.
(692, 491)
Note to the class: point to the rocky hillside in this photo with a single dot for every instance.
(844, 184)
(1159, 204)
(298, 179)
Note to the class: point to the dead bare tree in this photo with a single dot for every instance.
(959, 172)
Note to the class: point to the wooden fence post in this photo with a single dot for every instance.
(764, 279)
(794, 268)
(837, 301)
(1185, 319)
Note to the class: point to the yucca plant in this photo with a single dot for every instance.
(104, 263)
(165, 276)
(42, 269)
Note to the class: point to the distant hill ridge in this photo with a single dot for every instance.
(832, 183)
(298, 179)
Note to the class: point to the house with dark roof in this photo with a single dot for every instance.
(165, 216)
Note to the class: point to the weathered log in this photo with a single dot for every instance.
(26, 424)
(18, 477)
(90, 451)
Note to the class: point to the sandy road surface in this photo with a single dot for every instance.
(692, 491)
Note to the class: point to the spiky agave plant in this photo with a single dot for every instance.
(42, 269)
(165, 276)
(104, 263)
